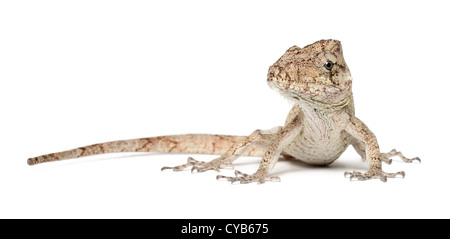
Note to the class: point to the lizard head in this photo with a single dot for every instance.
(315, 73)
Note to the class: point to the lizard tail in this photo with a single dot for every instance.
(187, 143)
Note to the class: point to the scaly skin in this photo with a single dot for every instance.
(318, 129)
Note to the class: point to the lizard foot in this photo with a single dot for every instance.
(244, 178)
(373, 174)
(201, 166)
(386, 157)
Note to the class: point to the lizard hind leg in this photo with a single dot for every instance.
(201, 166)
(252, 145)
(386, 157)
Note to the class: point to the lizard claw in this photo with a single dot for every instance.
(373, 174)
(200, 166)
(386, 157)
(216, 166)
(244, 178)
(190, 162)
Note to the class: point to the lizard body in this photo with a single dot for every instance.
(318, 129)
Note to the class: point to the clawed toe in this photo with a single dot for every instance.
(383, 176)
(244, 178)
(200, 166)
(386, 157)
(190, 162)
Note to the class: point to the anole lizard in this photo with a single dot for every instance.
(319, 127)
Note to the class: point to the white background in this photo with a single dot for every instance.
(74, 73)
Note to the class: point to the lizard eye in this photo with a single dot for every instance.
(329, 65)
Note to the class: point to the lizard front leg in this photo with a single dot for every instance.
(234, 152)
(361, 132)
(271, 156)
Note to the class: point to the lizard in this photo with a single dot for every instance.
(318, 129)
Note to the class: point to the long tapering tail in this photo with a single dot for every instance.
(187, 143)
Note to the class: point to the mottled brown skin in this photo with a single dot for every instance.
(318, 129)
(188, 143)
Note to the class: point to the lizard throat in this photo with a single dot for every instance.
(335, 100)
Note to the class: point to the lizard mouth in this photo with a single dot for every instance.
(312, 92)
(309, 88)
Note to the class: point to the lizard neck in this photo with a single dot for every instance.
(308, 105)
(322, 120)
